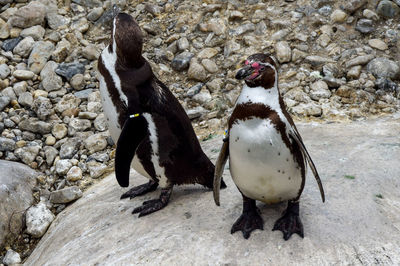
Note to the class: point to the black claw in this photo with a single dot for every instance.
(250, 219)
(154, 205)
(140, 190)
(290, 222)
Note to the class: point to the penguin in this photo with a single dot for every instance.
(267, 156)
(152, 131)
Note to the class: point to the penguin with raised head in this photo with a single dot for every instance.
(266, 153)
(149, 126)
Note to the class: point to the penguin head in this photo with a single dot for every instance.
(259, 70)
(126, 39)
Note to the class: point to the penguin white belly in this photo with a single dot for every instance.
(261, 165)
(113, 126)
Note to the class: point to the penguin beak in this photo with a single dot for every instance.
(244, 72)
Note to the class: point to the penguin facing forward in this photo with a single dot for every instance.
(266, 153)
(152, 132)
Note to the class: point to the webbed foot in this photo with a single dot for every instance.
(154, 205)
(140, 190)
(250, 219)
(290, 222)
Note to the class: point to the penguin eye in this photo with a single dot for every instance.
(262, 68)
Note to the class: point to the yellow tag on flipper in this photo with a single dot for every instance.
(134, 115)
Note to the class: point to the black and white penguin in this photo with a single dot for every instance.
(267, 156)
(151, 129)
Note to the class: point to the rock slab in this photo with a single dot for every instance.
(16, 183)
(191, 230)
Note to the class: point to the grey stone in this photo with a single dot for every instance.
(34, 125)
(36, 32)
(95, 14)
(100, 123)
(9, 92)
(50, 80)
(42, 107)
(95, 143)
(55, 20)
(365, 26)
(9, 45)
(70, 148)
(388, 9)
(68, 70)
(96, 169)
(4, 71)
(24, 47)
(81, 25)
(316, 60)
(215, 85)
(76, 125)
(77, 82)
(242, 29)
(90, 52)
(88, 3)
(83, 94)
(7, 144)
(41, 52)
(352, 5)
(382, 67)
(74, 174)
(50, 154)
(26, 99)
(359, 60)
(59, 131)
(38, 219)
(11, 258)
(153, 9)
(65, 195)
(29, 15)
(209, 65)
(4, 101)
(283, 52)
(230, 47)
(319, 90)
(194, 89)
(181, 61)
(23, 74)
(62, 51)
(69, 101)
(183, 44)
(386, 85)
(196, 71)
(196, 112)
(17, 181)
(202, 97)
(62, 166)
(20, 87)
(28, 153)
(372, 237)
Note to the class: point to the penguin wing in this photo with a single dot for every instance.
(219, 169)
(296, 136)
(133, 132)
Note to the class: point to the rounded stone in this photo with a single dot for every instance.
(38, 219)
(50, 140)
(63, 166)
(382, 67)
(388, 9)
(196, 71)
(23, 74)
(338, 16)
(378, 44)
(59, 131)
(74, 174)
(77, 82)
(283, 52)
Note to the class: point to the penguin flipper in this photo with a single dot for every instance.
(132, 134)
(296, 136)
(219, 169)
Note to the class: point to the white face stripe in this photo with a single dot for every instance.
(110, 61)
(155, 159)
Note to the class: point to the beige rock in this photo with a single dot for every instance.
(338, 16)
(283, 52)
(378, 44)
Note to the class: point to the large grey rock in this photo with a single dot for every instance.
(41, 52)
(16, 183)
(382, 67)
(34, 125)
(341, 231)
(29, 15)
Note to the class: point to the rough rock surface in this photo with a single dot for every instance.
(355, 168)
(16, 183)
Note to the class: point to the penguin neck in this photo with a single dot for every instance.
(270, 97)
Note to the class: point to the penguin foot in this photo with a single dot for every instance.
(250, 219)
(140, 190)
(154, 205)
(290, 222)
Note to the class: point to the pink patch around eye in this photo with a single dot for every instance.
(246, 62)
(255, 65)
